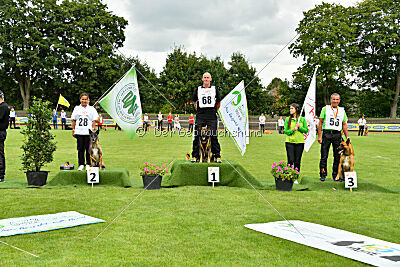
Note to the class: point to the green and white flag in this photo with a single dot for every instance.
(122, 103)
(233, 113)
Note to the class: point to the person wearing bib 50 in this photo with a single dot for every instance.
(332, 121)
(206, 99)
(294, 136)
(83, 118)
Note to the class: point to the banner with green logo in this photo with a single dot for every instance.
(122, 103)
(233, 113)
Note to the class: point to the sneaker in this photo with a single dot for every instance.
(81, 167)
(193, 160)
(2, 180)
(219, 160)
(87, 167)
(322, 179)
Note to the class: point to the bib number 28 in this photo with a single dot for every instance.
(83, 122)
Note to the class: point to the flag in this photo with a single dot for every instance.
(234, 115)
(62, 101)
(122, 103)
(309, 110)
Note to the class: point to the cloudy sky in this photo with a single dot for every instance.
(257, 28)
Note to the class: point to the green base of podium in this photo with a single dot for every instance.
(186, 173)
(112, 177)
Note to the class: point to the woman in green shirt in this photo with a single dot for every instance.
(294, 136)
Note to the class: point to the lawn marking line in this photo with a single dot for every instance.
(291, 224)
(127, 206)
(19, 249)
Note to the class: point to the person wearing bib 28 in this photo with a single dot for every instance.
(83, 118)
(294, 136)
(206, 99)
(332, 121)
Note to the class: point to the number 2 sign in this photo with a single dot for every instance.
(93, 175)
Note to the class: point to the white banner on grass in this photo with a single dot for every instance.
(41, 223)
(354, 246)
(233, 113)
(309, 110)
(123, 103)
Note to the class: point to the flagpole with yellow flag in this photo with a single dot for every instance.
(62, 101)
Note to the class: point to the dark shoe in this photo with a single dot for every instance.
(322, 179)
(2, 180)
(194, 159)
(340, 180)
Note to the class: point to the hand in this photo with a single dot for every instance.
(73, 133)
(320, 139)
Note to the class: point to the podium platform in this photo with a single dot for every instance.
(184, 172)
(112, 176)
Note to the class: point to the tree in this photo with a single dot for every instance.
(47, 44)
(240, 70)
(325, 33)
(378, 39)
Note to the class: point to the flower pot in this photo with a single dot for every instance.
(152, 181)
(37, 178)
(283, 185)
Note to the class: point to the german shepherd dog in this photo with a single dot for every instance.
(366, 131)
(205, 143)
(95, 151)
(346, 163)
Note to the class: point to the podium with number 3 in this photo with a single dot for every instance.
(350, 180)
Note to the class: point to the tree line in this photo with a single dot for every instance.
(48, 47)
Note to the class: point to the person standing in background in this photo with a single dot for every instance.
(4, 120)
(361, 125)
(261, 120)
(13, 116)
(55, 116)
(63, 116)
(169, 120)
(281, 124)
(191, 122)
(160, 118)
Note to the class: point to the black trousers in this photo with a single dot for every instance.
(329, 138)
(169, 126)
(294, 153)
(280, 129)
(262, 127)
(12, 121)
(3, 135)
(361, 130)
(63, 124)
(191, 127)
(159, 125)
(215, 147)
(83, 143)
(145, 126)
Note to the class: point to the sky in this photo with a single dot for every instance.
(259, 29)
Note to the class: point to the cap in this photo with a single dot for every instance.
(1, 94)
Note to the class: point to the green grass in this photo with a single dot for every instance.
(200, 225)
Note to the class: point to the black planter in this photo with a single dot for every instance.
(283, 185)
(148, 182)
(37, 178)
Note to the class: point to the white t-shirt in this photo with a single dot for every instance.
(63, 115)
(261, 119)
(146, 118)
(281, 122)
(362, 122)
(160, 117)
(12, 114)
(84, 117)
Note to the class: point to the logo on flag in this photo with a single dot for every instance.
(63, 101)
(122, 103)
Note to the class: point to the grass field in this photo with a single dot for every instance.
(200, 225)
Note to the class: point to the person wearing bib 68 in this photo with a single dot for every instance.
(332, 121)
(206, 99)
(83, 118)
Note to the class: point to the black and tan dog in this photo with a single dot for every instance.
(205, 143)
(95, 151)
(347, 161)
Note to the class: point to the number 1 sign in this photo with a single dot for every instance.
(213, 175)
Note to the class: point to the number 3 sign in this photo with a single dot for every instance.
(350, 180)
(93, 175)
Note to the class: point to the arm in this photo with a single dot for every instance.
(321, 121)
(345, 131)
(218, 105)
(304, 128)
(285, 128)
(73, 127)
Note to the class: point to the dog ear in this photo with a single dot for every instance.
(97, 132)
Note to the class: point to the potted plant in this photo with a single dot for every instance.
(152, 175)
(284, 174)
(38, 145)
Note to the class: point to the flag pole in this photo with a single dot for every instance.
(302, 109)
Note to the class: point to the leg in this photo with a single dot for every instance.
(81, 149)
(3, 135)
(362, 130)
(290, 152)
(298, 153)
(336, 138)
(326, 143)
(196, 146)
(86, 140)
(215, 147)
